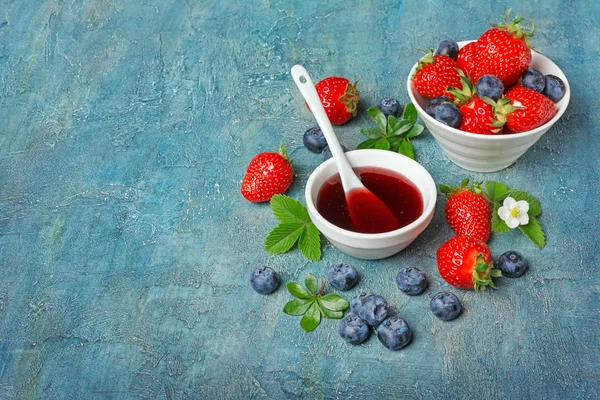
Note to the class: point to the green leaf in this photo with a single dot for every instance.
(395, 143)
(535, 208)
(410, 113)
(371, 133)
(406, 149)
(310, 242)
(402, 127)
(286, 209)
(297, 306)
(534, 232)
(377, 116)
(367, 144)
(311, 283)
(297, 290)
(283, 237)
(445, 188)
(498, 225)
(392, 122)
(416, 130)
(495, 190)
(329, 313)
(334, 302)
(311, 319)
(382, 144)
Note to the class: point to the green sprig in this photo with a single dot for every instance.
(295, 226)
(312, 304)
(391, 133)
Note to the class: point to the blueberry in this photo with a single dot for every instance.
(390, 106)
(490, 86)
(411, 281)
(264, 280)
(533, 79)
(342, 276)
(448, 114)
(445, 306)
(394, 333)
(434, 103)
(447, 48)
(512, 264)
(327, 153)
(353, 329)
(314, 140)
(369, 307)
(555, 88)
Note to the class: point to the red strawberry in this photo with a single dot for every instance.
(339, 98)
(503, 51)
(435, 74)
(478, 116)
(268, 174)
(466, 59)
(531, 109)
(466, 263)
(467, 211)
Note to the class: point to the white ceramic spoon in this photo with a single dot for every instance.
(368, 213)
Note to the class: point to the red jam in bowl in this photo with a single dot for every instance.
(395, 190)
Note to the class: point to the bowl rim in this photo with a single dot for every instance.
(503, 137)
(427, 211)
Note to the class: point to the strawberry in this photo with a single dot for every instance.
(435, 74)
(466, 263)
(268, 174)
(530, 109)
(467, 210)
(466, 59)
(503, 51)
(339, 98)
(478, 116)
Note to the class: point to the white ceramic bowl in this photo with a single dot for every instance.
(377, 245)
(488, 153)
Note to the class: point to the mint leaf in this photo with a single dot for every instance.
(406, 149)
(410, 113)
(330, 313)
(416, 130)
(392, 121)
(371, 133)
(367, 144)
(498, 224)
(297, 290)
(334, 302)
(495, 190)
(298, 306)
(377, 116)
(286, 209)
(283, 237)
(311, 283)
(402, 127)
(535, 208)
(310, 242)
(382, 144)
(311, 319)
(534, 232)
(395, 143)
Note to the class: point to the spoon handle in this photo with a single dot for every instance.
(307, 88)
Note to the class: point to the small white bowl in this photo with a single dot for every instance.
(488, 153)
(376, 245)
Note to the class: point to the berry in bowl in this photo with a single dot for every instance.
(493, 101)
(400, 182)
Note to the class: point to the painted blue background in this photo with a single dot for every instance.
(125, 247)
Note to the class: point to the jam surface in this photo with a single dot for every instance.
(398, 193)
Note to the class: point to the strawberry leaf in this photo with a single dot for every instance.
(495, 190)
(534, 232)
(371, 133)
(535, 208)
(406, 149)
(310, 242)
(286, 209)
(377, 116)
(283, 237)
(498, 225)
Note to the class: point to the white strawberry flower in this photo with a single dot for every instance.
(514, 213)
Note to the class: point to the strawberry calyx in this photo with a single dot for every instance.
(501, 109)
(483, 273)
(515, 29)
(350, 98)
(284, 153)
(464, 187)
(426, 59)
(464, 94)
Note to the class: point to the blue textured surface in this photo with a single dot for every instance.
(126, 249)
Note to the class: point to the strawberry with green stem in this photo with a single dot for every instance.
(467, 210)
(435, 74)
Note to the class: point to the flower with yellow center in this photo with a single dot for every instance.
(514, 213)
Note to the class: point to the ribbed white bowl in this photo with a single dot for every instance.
(488, 153)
